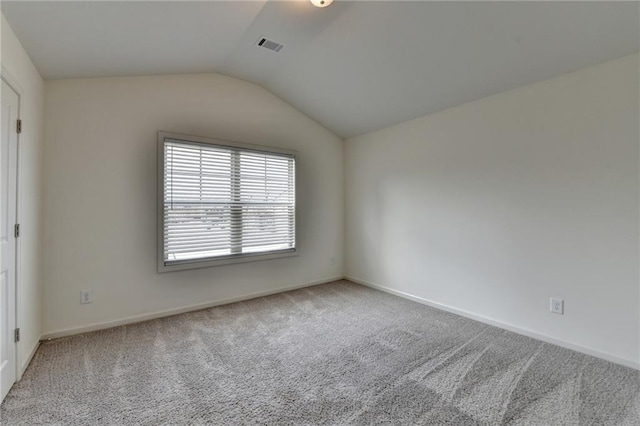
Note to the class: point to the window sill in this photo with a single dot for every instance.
(226, 260)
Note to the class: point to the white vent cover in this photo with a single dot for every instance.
(269, 44)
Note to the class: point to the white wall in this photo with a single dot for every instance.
(100, 194)
(21, 72)
(495, 206)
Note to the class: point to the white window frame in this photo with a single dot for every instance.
(222, 260)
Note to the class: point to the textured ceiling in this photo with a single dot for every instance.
(354, 67)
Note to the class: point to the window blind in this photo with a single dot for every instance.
(224, 201)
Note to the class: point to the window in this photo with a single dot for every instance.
(223, 202)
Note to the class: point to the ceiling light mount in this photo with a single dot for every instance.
(321, 3)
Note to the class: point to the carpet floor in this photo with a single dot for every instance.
(333, 354)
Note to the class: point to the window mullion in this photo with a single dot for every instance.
(236, 207)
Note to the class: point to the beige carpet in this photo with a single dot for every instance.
(334, 354)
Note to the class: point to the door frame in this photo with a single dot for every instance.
(13, 85)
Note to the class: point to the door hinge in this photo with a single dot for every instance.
(16, 335)
(16, 230)
(19, 126)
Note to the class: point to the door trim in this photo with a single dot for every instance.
(13, 85)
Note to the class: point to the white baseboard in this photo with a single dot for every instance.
(27, 361)
(499, 324)
(169, 312)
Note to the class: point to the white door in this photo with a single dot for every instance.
(8, 169)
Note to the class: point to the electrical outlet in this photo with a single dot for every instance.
(86, 296)
(557, 306)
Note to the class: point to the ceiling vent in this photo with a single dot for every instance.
(269, 44)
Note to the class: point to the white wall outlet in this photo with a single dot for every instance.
(557, 306)
(86, 296)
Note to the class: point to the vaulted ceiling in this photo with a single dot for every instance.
(355, 66)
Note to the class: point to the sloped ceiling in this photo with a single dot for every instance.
(354, 67)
